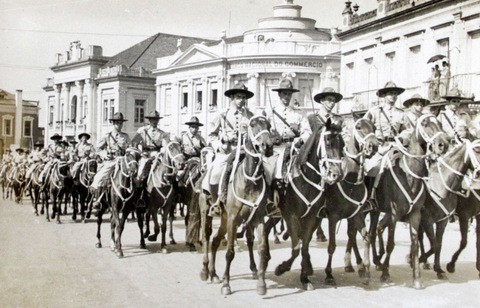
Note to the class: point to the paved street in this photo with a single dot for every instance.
(43, 264)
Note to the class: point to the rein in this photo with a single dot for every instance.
(117, 188)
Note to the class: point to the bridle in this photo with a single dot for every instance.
(129, 174)
(360, 143)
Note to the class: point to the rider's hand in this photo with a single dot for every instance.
(297, 142)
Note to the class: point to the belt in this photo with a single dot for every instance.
(288, 139)
(391, 139)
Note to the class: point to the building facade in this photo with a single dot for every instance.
(18, 122)
(402, 41)
(193, 82)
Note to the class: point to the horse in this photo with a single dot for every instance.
(345, 199)
(160, 188)
(401, 194)
(56, 188)
(34, 187)
(18, 181)
(318, 164)
(4, 171)
(444, 184)
(80, 191)
(246, 203)
(121, 198)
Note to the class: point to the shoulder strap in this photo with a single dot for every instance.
(296, 132)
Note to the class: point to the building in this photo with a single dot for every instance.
(193, 82)
(395, 42)
(88, 87)
(19, 122)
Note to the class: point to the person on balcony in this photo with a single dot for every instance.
(444, 78)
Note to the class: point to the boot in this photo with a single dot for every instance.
(226, 177)
(371, 204)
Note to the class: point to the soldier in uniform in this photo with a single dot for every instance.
(227, 127)
(327, 99)
(112, 145)
(289, 125)
(415, 106)
(453, 113)
(55, 151)
(82, 151)
(192, 141)
(388, 121)
(6, 160)
(35, 158)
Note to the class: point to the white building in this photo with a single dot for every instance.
(193, 82)
(395, 42)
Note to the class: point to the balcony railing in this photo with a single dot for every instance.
(122, 70)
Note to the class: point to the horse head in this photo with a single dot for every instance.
(431, 136)
(207, 154)
(174, 154)
(129, 164)
(364, 136)
(258, 136)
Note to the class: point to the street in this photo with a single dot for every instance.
(43, 264)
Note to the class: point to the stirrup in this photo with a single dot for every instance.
(370, 205)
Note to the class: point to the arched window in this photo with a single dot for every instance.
(73, 109)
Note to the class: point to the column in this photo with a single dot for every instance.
(175, 108)
(458, 35)
(252, 85)
(57, 110)
(66, 104)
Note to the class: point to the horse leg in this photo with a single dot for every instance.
(390, 245)
(427, 228)
(163, 244)
(250, 238)
(372, 233)
(293, 225)
(59, 206)
(45, 204)
(147, 224)
(118, 232)
(438, 249)
(217, 239)
(332, 223)
(414, 229)
(230, 254)
(74, 206)
(206, 232)
(264, 254)
(477, 229)
(306, 264)
(171, 218)
(140, 227)
(156, 228)
(386, 220)
(421, 244)
(463, 223)
(320, 234)
(99, 226)
(364, 267)
(352, 241)
(113, 225)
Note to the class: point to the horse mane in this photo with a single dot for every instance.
(307, 147)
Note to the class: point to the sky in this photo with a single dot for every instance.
(32, 31)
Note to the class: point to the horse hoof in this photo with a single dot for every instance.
(451, 267)
(276, 241)
(279, 270)
(418, 285)
(152, 238)
(88, 215)
(385, 279)
(254, 276)
(173, 242)
(362, 272)
(204, 275)
(322, 239)
(330, 281)
(36, 213)
(58, 222)
(261, 289)
(98, 245)
(143, 246)
(146, 234)
(42, 212)
(119, 253)
(308, 286)
(427, 266)
(379, 267)
(164, 251)
(215, 279)
(442, 276)
(74, 218)
(48, 219)
(349, 269)
(226, 290)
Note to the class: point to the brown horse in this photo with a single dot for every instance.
(303, 198)
(444, 185)
(401, 193)
(80, 191)
(18, 181)
(246, 203)
(56, 188)
(345, 199)
(160, 188)
(34, 187)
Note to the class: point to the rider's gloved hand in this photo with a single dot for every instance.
(297, 142)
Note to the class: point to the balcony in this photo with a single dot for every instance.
(122, 70)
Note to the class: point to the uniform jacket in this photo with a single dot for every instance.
(295, 118)
(82, 150)
(388, 120)
(192, 144)
(227, 124)
(114, 143)
(149, 137)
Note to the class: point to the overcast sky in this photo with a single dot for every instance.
(32, 31)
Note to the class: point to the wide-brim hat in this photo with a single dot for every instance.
(153, 115)
(390, 87)
(239, 88)
(39, 144)
(194, 121)
(84, 134)
(454, 95)
(328, 92)
(285, 85)
(64, 142)
(56, 137)
(414, 99)
(118, 117)
(20, 150)
(73, 142)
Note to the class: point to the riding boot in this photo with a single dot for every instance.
(371, 203)
(226, 177)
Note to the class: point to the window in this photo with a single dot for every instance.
(184, 104)
(443, 47)
(139, 111)
(305, 85)
(198, 101)
(27, 128)
(270, 97)
(85, 110)
(168, 101)
(7, 126)
(389, 66)
(214, 100)
(348, 87)
(112, 107)
(73, 109)
(105, 110)
(414, 60)
(50, 117)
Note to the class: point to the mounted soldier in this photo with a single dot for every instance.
(35, 159)
(6, 160)
(228, 127)
(453, 113)
(289, 126)
(83, 150)
(55, 152)
(192, 141)
(415, 106)
(327, 100)
(111, 146)
(389, 122)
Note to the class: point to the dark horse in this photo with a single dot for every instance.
(160, 187)
(401, 192)
(246, 203)
(35, 186)
(444, 184)
(56, 188)
(18, 181)
(318, 164)
(80, 191)
(345, 199)
(121, 199)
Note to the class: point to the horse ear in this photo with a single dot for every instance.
(356, 115)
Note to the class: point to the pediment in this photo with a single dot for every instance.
(195, 54)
